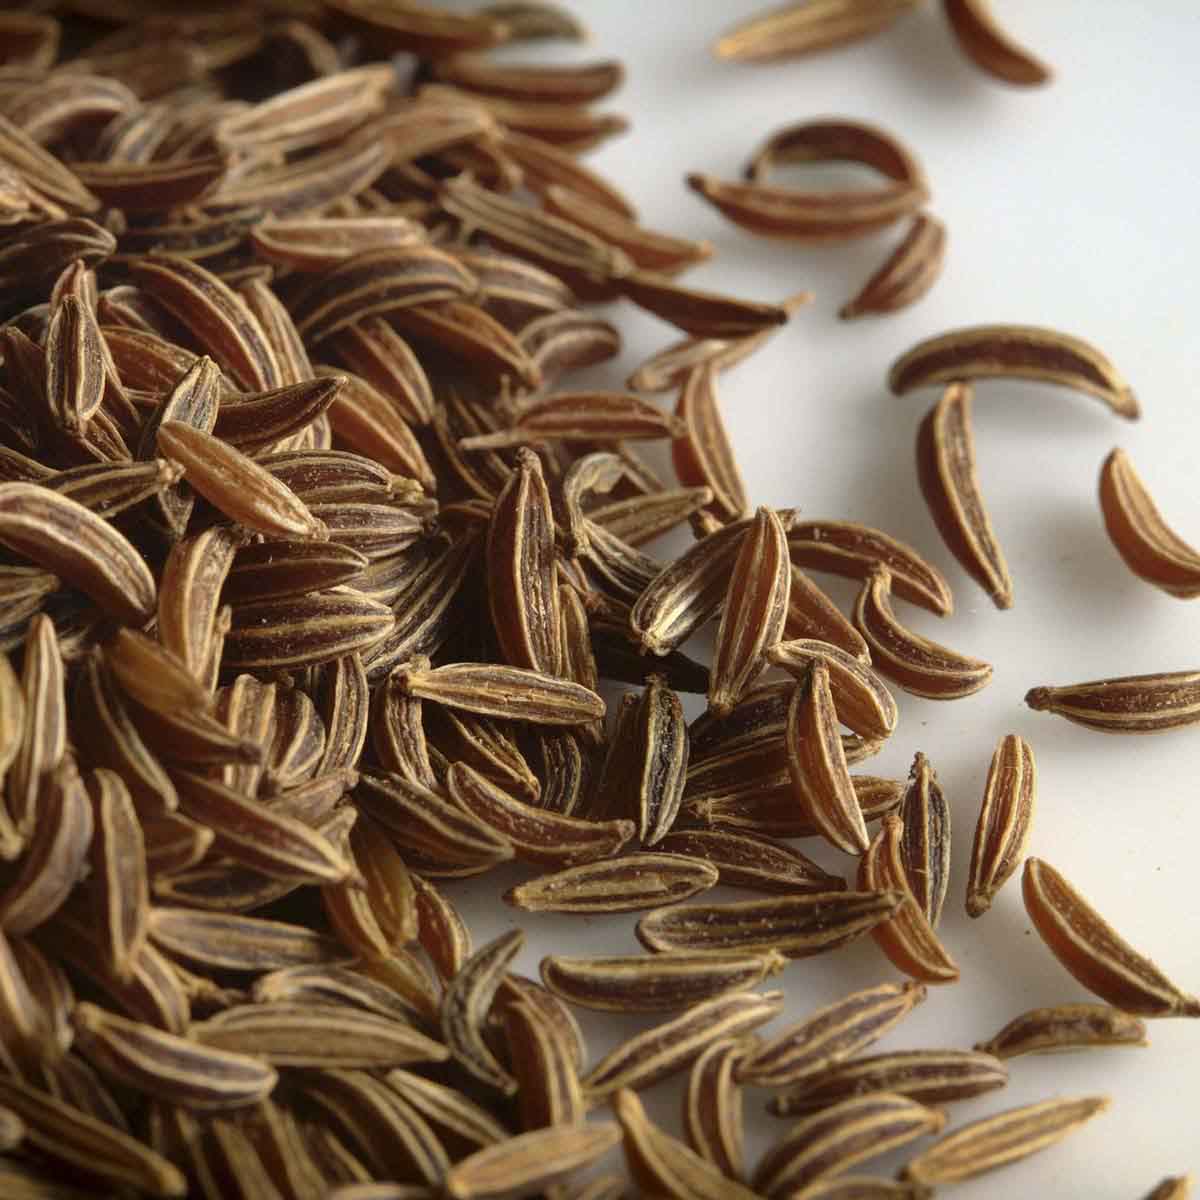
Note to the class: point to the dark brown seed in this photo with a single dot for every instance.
(1065, 1027)
(626, 883)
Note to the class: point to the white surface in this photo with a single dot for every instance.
(1073, 206)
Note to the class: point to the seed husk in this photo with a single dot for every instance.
(1013, 352)
(1002, 830)
(1094, 952)
(1131, 704)
(905, 275)
(1065, 1027)
(997, 1140)
(989, 47)
(950, 483)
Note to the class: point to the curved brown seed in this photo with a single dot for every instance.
(541, 1059)
(701, 314)
(907, 938)
(1132, 704)
(807, 27)
(994, 1141)
(754, 611)
(119, 872)
(703, 455)
(663, 741)
(950, 484)
(1065, 1027)
(852, 550)
(794, 926)
(580, 417)
(1150, 548)
(1174, 1187)
(530, 1162)
(75, 375)
(1013, 352)
(917, 664)
(906, 274)
(846, 1133)
(465, 1005)
(989, 47)
(1004, 820)
(522, 579)
(81, 548)
(925, 840)
(1094, 953)
(623, 884)
(833, 1033)
(664, 1166)
(812, 614)
(176, 1069)
(749, 861)
(712, 1107)
(817, 763)
(653, 983)
(656, 1053)
(862, 701)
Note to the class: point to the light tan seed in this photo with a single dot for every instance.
(663, 742)
(989, 47)
(549, 1092)
(950, 483)
(831, 1034)
(925, 839)
(917, 664)
(906, 274)
(81, 548)
(465, 1004)
(807, 28)
(448, 1109)
(817, 764)
(712, 1107)
(907, 938)
(664, 1166)
(497, 691)
(522, 580)
(1150, 548)
(844, 1134)
(1065, 1027)
(756, 862)
(626, 883)
(239, 943)
(794, 926)
(930, 1076)
(862, 701)
(1013, 352)
(997, 1140)
(655, 1054)
(703, 454)
(75, 375)
(1176, 1187)
(1002, 830)
(529, 1162)
(1132, 704)
(1093, 952)
(654, 983)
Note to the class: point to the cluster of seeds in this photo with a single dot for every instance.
(313, 562)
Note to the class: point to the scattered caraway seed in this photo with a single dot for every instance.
(319, 553)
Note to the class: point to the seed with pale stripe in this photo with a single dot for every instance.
(862, 701)
(1092, 951)
(625, 883)
(1130, 704)
(1002, 830)
(998, 1140)
(712, 1106)
(906, 274)
(925, 839)
(808, 28)
(1065, 1027)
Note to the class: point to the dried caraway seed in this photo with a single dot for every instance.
(808, 28)
(794, 926)
(662, 1165)
(862, 701)
(549, 1092)
(712, 1106)
(830, 1035)
(1094, 953)
(759, 863)
(906, 274)
(950, 484)
(1132, 704)
(467, 998)
(1013, 352)
(626, 883)
(1150, 548)
(754, 611)
(907, 938)
(989, 47)
(663, 745)
(1002, 830)
(845, 1133)
(930, 1076)
(917, 664)
(654, 983)
(817, 764)
(1003, 1138)
(1065, 1027)
(653, 1055)
(529, 1162)
(702, 453)
(925, 839)
(1175, 1187)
